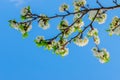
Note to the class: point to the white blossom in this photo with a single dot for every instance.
(96, 40)
(117, 31)
(29, 28)
(111, 32)
(81, 42)
(63, 25)
(97, 53)
(50, 45)
(14, 24)
(24, 27)
(63, 7)
(40, 41)
(62, 51)
(25, 11)
(92, 32)
(102, 55)
(92, 14)
(100, 18)
(79, 23)
(79, 3)
(43, 23)
(114, 26)
(115, 22)
(69, 31)
(39, 38)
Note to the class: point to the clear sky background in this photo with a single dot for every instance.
(20, 59)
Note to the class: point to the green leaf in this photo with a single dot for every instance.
(110, 34)
(89, 36)
(10, 22)
(42, 43)
(25, 35)
(80, 30)
(77, 29)
(29, 8)
(107, 30)
(23, 17)
(21, 27)
(38, 45)
(54, 48)
(96, 34)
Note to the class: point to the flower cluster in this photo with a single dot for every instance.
(65, 28)
(63, 25)
(59, 48)
(94, 33)
(96, 40)
(26, 13)
(44, 22)
(58, 43)
(63, 7)
(50, 45)
(100, 18)
(114, 26)
(78, 22)
(62, 51)
(79, 3)
(68, 31)
(14, 24)
(40, 41)
(24, 28)
(81, 42)
(102, 55)
(56, 46)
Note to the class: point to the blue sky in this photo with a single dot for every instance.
(20, 59)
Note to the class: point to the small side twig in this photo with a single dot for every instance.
(99, 3)
(115, 2)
